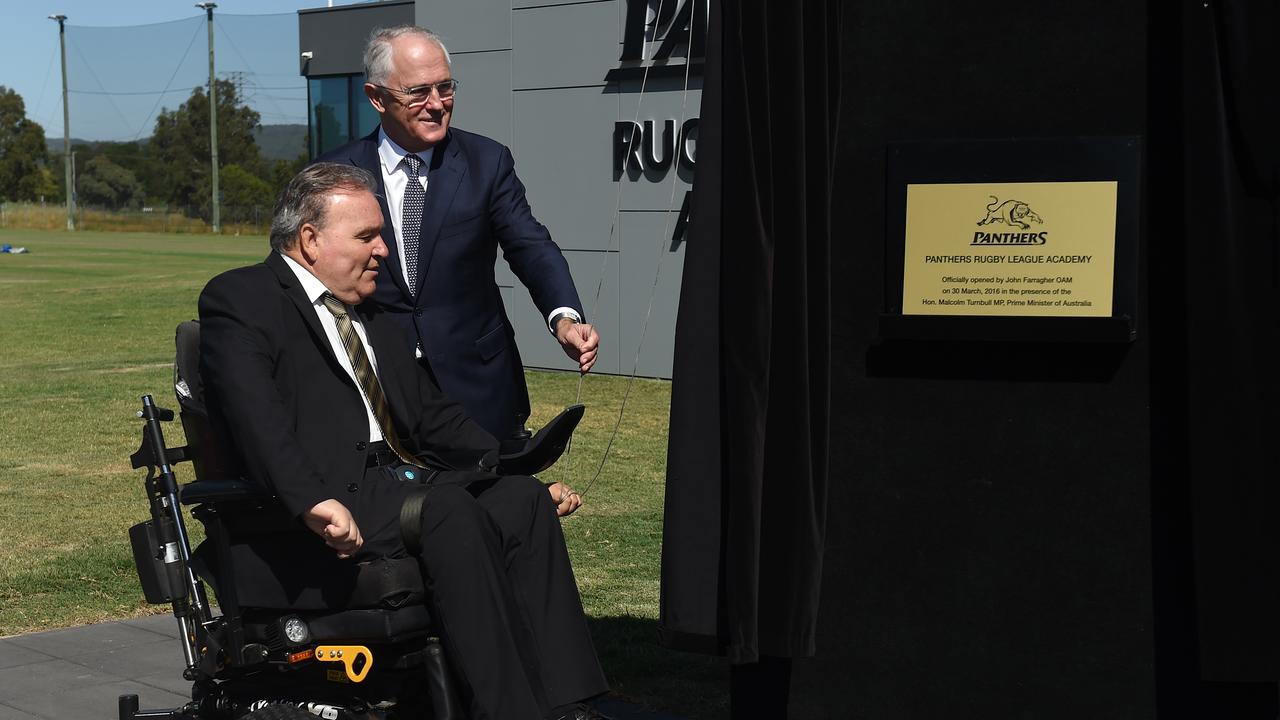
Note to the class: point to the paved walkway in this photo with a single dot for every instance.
(77, 673)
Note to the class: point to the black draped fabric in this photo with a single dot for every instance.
(747, 463)
(1231, 172)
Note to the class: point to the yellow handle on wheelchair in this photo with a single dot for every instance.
(347, 655)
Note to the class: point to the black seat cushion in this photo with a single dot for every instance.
(329, 583)
(371, 625)
(362, 626)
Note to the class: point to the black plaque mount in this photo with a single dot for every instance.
(1004, 161)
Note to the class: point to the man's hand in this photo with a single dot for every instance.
(579, 340)
(332, 521)
(566, 499)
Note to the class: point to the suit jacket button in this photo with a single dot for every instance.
(360, 446)
(417, 313)
(352, 487)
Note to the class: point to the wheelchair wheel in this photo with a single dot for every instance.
(279, 712)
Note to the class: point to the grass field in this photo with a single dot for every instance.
(86, 328)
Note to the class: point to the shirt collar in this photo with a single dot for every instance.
(311, 284)
(390, 154)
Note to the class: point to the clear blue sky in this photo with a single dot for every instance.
(29, 60)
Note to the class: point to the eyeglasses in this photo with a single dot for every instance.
(419, 95)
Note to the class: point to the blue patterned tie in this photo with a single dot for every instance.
(415, 201)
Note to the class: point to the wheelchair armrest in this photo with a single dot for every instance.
(545, 447)
(210, 491)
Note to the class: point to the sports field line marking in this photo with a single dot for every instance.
(133, 368)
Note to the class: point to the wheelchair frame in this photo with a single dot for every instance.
(233, 675)
(264, 664)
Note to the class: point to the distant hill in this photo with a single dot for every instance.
(281, 142)
(55, 143)
(275, 142)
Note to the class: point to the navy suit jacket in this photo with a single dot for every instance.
(475, 204)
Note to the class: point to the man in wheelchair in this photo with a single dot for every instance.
(321, 404)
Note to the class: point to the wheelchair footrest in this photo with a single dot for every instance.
(128, 709)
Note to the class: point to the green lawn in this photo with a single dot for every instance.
(86, 328)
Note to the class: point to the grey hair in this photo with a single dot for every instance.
(377, 52)
(303, 199)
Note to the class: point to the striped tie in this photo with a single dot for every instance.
(415, 202)
(365, 376)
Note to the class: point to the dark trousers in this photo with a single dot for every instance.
(501, 588)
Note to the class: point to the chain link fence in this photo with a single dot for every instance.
(236, 219)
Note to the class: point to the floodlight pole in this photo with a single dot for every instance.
(66, 124)
(213, 119)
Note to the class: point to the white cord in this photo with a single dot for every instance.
(662, 239)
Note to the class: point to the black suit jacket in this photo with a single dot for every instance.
(298, 424)
(292, 412)
(475, 204)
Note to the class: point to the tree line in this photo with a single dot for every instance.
(169, 168)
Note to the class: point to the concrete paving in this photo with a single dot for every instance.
(77, 673)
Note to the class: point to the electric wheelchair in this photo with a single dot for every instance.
(267, 653)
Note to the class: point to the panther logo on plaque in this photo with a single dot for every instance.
(1010, 212)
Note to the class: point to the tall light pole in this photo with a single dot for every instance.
(213, 119)
(66, 123)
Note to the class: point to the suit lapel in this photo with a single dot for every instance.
(293, 290)
(365, 155)
(446, 173)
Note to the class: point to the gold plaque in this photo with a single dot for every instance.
(1010, 249)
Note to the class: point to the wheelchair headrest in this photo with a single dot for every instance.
(186, 368)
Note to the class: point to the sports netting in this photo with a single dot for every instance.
(120, 78)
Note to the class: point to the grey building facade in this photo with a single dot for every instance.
(598, 101)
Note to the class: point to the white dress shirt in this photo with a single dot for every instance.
(315, 290)
(395, 178)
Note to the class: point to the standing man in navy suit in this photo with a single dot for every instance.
(450, 199)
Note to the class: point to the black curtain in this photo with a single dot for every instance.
(747, 463)
(1231, 255)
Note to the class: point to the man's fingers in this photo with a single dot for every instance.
(559, 494)
(562, 496)
(346, 540)
(565, 499)
(572, 503)
(581, 337)
(587, 350)
(589, 338)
